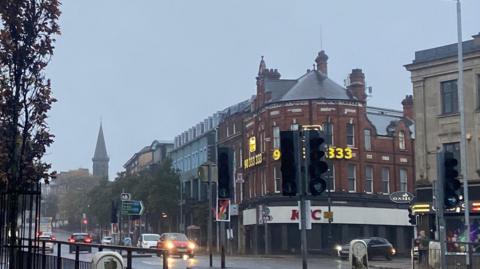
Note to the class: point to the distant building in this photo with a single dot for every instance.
(193, 148)
(148, 156)
(100, 158)
(434, 74)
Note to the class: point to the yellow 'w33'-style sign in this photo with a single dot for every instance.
(339, 153)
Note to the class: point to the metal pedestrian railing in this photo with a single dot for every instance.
(56, 261)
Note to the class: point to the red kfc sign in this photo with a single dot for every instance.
(316, 214)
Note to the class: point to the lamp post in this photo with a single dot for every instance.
(463, 133)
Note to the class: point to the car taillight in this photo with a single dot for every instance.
(88, 240)
(53, 238)
(71, 240)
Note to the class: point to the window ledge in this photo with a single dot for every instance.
(446, 115)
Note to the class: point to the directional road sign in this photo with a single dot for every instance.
(132, 207)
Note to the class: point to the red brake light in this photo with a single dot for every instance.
(71, 240)
(88, 240)
(53, 238)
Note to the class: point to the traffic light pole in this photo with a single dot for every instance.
(210, 217)
(440, 195)
(299, 138)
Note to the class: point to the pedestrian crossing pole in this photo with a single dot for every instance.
(301, 137)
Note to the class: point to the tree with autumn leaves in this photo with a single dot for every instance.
(27, 35)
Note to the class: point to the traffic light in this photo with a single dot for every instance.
(224, 172)
(316, 163)
(451, 183)
(412, 217)
(288, 163)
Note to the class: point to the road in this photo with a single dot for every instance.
(240, 262)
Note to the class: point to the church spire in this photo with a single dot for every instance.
(100, 158)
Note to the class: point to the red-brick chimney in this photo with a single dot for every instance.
(357, 84)
(321, 61)
(408, 107)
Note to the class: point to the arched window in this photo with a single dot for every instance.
(401, 140)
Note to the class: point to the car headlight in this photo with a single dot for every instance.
(169, 245)
(393, 251)
(338, 247)
(191, 245)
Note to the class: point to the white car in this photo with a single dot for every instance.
(107, 240)
(48, 245)
(148, 240)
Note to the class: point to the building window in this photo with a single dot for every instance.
(276, 137)
(328, 130)
(369, 178)
(455, 149)
(294, 127)
(277, 179)
(330, 176)
(350, 135)
(403, 179)
(401, 140)
(367, 135)
(234, 131)
(449, 97)
(386, 180)
(351, 177)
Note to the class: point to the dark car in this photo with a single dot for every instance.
(84, 238)
(176, 244)
(376, 247)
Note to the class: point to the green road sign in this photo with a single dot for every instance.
(132, 207)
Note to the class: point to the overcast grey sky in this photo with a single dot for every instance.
(152, 68)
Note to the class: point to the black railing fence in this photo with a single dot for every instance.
(19, 217)
(57, 261)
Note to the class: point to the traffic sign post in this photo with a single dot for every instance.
(132, 207)
(125, 196)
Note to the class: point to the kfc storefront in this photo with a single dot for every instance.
(280, 224)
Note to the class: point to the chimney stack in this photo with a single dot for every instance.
(321, 61)
(408, 107)
(357, 84)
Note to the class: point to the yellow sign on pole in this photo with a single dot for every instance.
(252, 142)
(328, 214)
(277, 154)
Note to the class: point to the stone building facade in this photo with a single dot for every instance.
(148, 156)
(434, 74)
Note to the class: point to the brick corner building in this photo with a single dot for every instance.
(382, 162)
